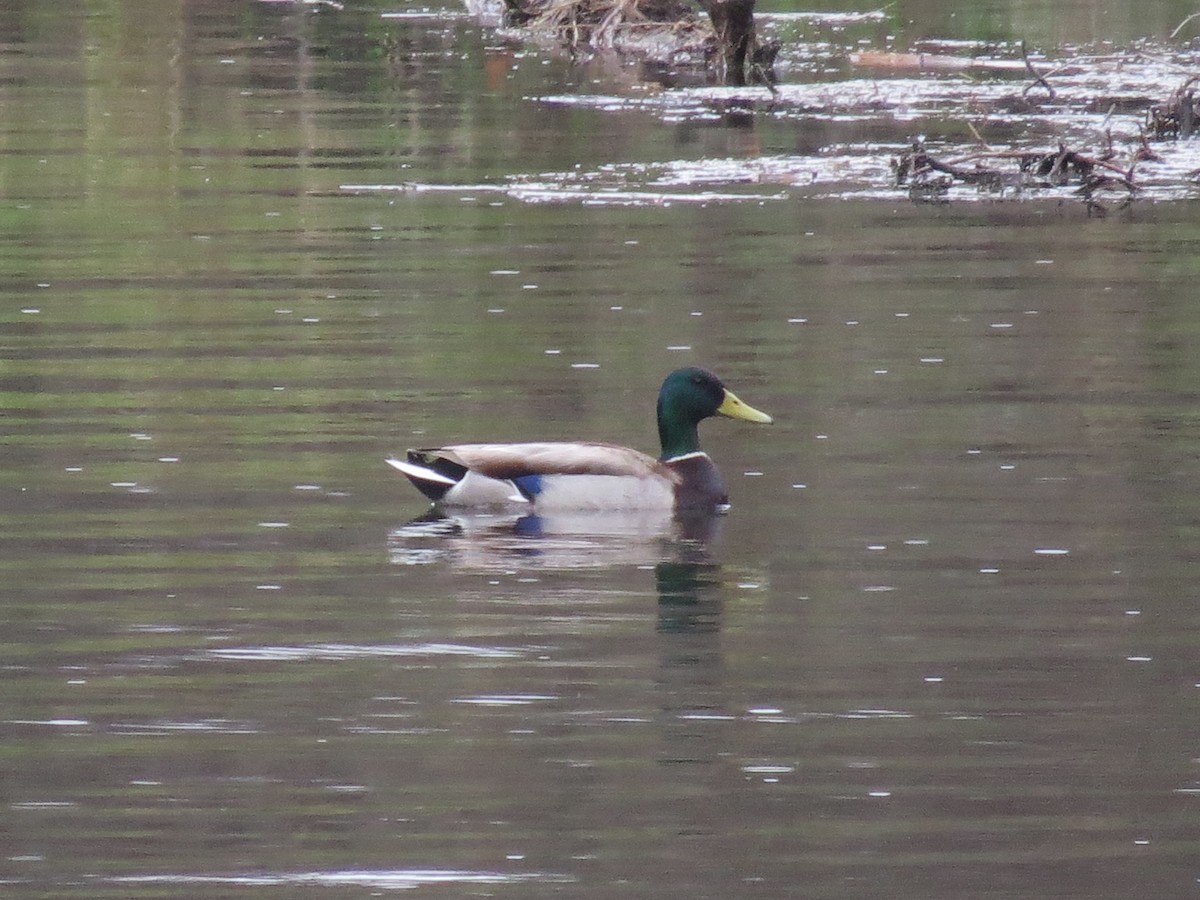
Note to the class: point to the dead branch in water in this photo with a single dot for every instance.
(1178, 116)
(1181, 25)
(1038, 79)
(928, 177)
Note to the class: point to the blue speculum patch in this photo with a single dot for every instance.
(529, 485)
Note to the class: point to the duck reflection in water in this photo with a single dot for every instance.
(689, 597)
(582, 540)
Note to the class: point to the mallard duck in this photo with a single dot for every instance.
(587, 475)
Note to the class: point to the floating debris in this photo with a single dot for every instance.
(1178, 115)
(930, 178)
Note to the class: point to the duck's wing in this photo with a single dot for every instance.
(576, 475)
(443, 480)
(509, 461)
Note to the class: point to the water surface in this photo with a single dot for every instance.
(942, 646)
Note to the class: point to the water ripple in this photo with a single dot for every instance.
(388, 879)
(205, 726)
(353, 651)
(552, 190)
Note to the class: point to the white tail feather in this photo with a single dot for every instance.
(421, 472)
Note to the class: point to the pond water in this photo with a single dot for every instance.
(943, 645)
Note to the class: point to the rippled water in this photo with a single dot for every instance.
(942, 646)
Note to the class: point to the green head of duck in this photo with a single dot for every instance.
(687, 397)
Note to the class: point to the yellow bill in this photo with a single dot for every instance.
(736, 409)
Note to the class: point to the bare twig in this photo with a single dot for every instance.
(1180, 26)
(978, 137)
(1037, 78)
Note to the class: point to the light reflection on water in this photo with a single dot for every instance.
(346, 651)
(381, 880)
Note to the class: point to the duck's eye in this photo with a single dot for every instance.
(696, 379)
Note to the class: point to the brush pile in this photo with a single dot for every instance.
(1178, 116)
(1103, 175)
(1098, 177)
(668, 31)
